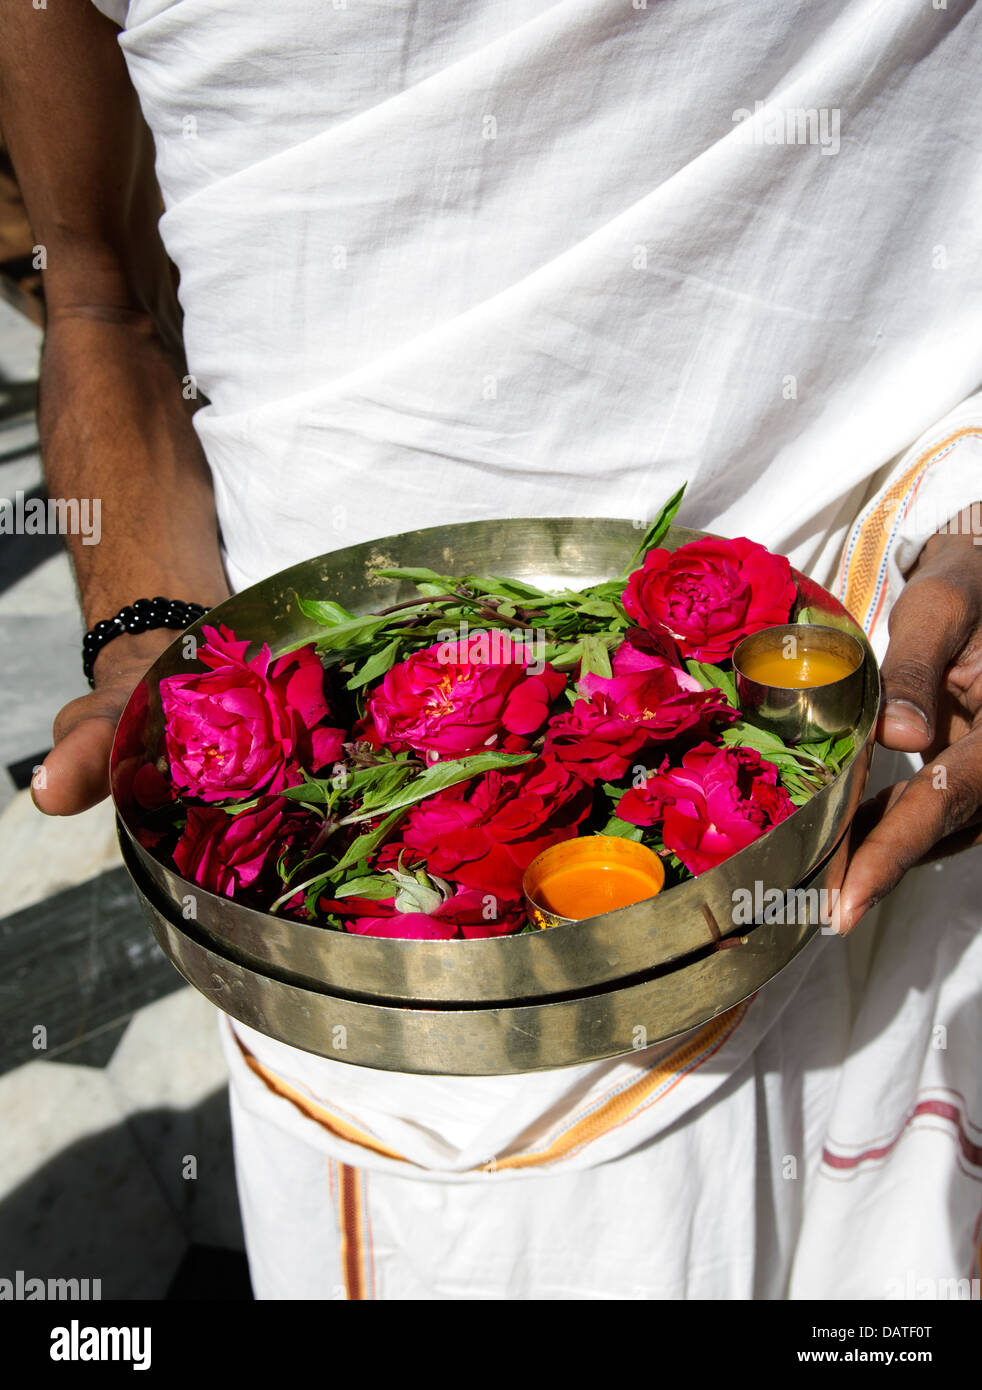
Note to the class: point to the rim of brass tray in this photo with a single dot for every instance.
(615, 945)
(481, 1039)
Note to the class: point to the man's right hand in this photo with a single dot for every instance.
(75, 774)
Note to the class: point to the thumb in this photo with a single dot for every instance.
(75, 774)
(929, 625)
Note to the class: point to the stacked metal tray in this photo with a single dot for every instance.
(501, 1005)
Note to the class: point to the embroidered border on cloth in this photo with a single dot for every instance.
(861, 583)
(603, 1116)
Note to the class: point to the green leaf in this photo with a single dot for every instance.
(232, 808)
(416, 576)
(596, 658)
(843, 749)
(312, 886)
(623, 829)
(714, 678)
(563, 655)
(656, 531)
(355, 633)
(600, 608)
(434, 588)
(438, 777)
(799, 797)
(376, 665)
(324, 611)
(375, 886)
(743, 735)
(819, 617)
(317, 791)
(365, 845)
(375, 786)
(608, 590)
(508, 588)
(340, 632)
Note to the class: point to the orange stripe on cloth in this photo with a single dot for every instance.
(341, 1129)
(605, 1115)
(352, 1238)
(861, 566)
(625, 1106)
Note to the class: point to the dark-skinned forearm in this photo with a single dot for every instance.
(116, 427)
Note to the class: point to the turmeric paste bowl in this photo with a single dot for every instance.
(539, 999)
(589, 876)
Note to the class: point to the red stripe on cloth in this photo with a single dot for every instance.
(941, 1109)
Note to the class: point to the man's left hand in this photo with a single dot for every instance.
(932, 705)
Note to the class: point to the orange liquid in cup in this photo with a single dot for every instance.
(584, 890)
(796, 672)
(593, 874)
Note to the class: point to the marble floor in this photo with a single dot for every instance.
(115, 1148)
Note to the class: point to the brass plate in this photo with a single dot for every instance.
(591, 955)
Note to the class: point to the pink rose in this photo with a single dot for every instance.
(639, 646)
(232, 854)
(466, 913)
(647, 700)
(245, 727)
(719, 801)
(484, 833)
(457, 698)
(710, 594)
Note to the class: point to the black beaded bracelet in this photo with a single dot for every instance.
(141, 616)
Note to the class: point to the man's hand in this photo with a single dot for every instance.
(932, 684)
(75, 774)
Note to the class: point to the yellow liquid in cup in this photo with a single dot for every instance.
(796, 672)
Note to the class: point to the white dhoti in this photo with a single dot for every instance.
(817, 1141)
(442, 263)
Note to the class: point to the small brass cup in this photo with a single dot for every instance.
(802, 714)
(604, 852)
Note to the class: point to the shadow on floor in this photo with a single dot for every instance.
(126, 1207)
